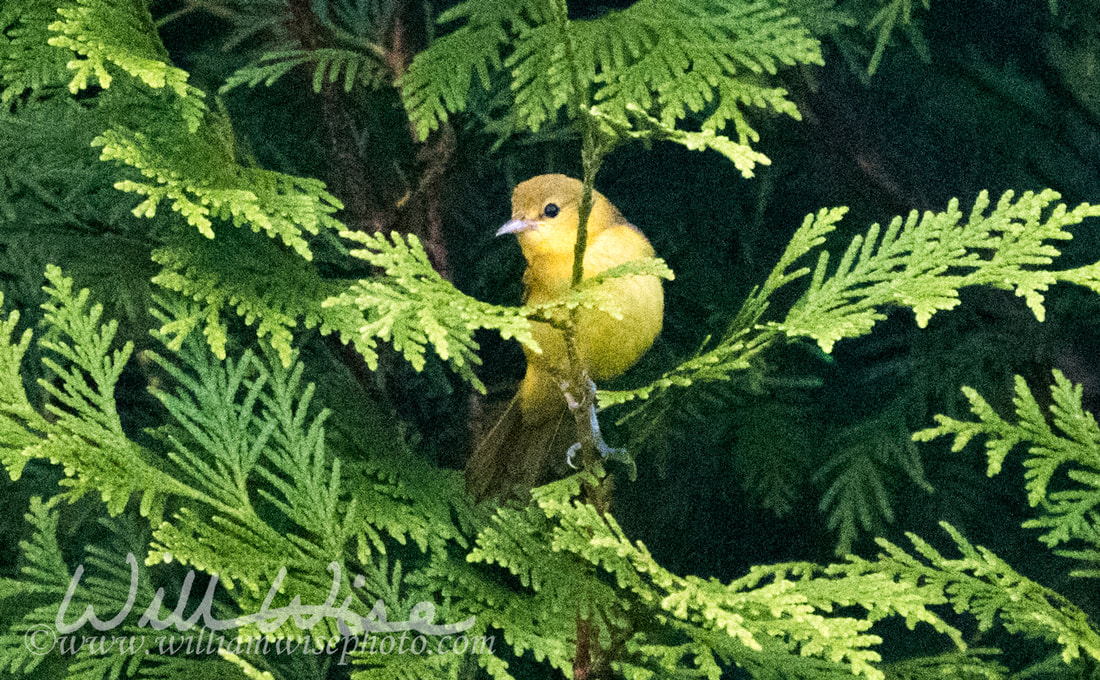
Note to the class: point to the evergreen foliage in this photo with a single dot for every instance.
(249, 457)
(652, 65)
(329, 65)
(242, 446)
(403, 308)
(920, 263)
(1061, 464)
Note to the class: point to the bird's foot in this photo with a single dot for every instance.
(588, 404)
(606, 452)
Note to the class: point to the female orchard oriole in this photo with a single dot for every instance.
(533, 434)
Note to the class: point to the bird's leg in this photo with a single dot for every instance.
(586, 407)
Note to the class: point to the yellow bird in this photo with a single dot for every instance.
(534, 432)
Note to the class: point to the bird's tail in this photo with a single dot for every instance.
(516, 455)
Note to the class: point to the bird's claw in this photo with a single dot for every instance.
(571, 453)
(605, 451)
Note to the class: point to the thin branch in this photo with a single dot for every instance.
(580, 391)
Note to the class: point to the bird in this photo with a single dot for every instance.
(529, 441)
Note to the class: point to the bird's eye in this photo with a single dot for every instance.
(551, 210)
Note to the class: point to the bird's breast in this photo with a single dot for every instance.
(609, 341)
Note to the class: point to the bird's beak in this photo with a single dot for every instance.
(517, 225)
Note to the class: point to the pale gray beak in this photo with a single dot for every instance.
(515, 226)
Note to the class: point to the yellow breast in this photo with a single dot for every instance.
(607, 345)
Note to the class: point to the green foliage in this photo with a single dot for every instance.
(969, 664)
(412, 307)
(46, 566)
(777, 621)
(124, 651)
(893, 14)
(982, 584)
(329, 65)
(857, 497)
(882, 18)
(28, 63)
(284, 207)
(243, 441)
(923, 264)
(19, 421)
(235, 465)
(241, 457)
(920, 263)
(57, 202)
(104, 36)
(647, 68)
(774, 619)
(150, 120)
(1063, 459)
(83, 434)
(211, 274)
(651, 129)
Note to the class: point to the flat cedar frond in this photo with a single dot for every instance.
(742, 341)
(105, 584)
(439, 81)
(858, 496)
(675, 58)
(985, 586)
(119, 34)
(85, 434)
(864, 29)
(923, 263)
(413, 307)
(27, 62)
(329, 64)
(20, 423)
(894, 14)
(653, 266)
(43, 572)
(634, 123)
(199, 178)
(1064, 442)
(778, 617)
(976, 663)
(169, 149)
(210, 273)
(649, 67)
(244, 451)
(920, 263)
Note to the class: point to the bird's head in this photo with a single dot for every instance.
(545, 215)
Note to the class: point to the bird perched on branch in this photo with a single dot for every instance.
(531, 437)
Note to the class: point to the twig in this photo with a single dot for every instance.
(580, 391)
